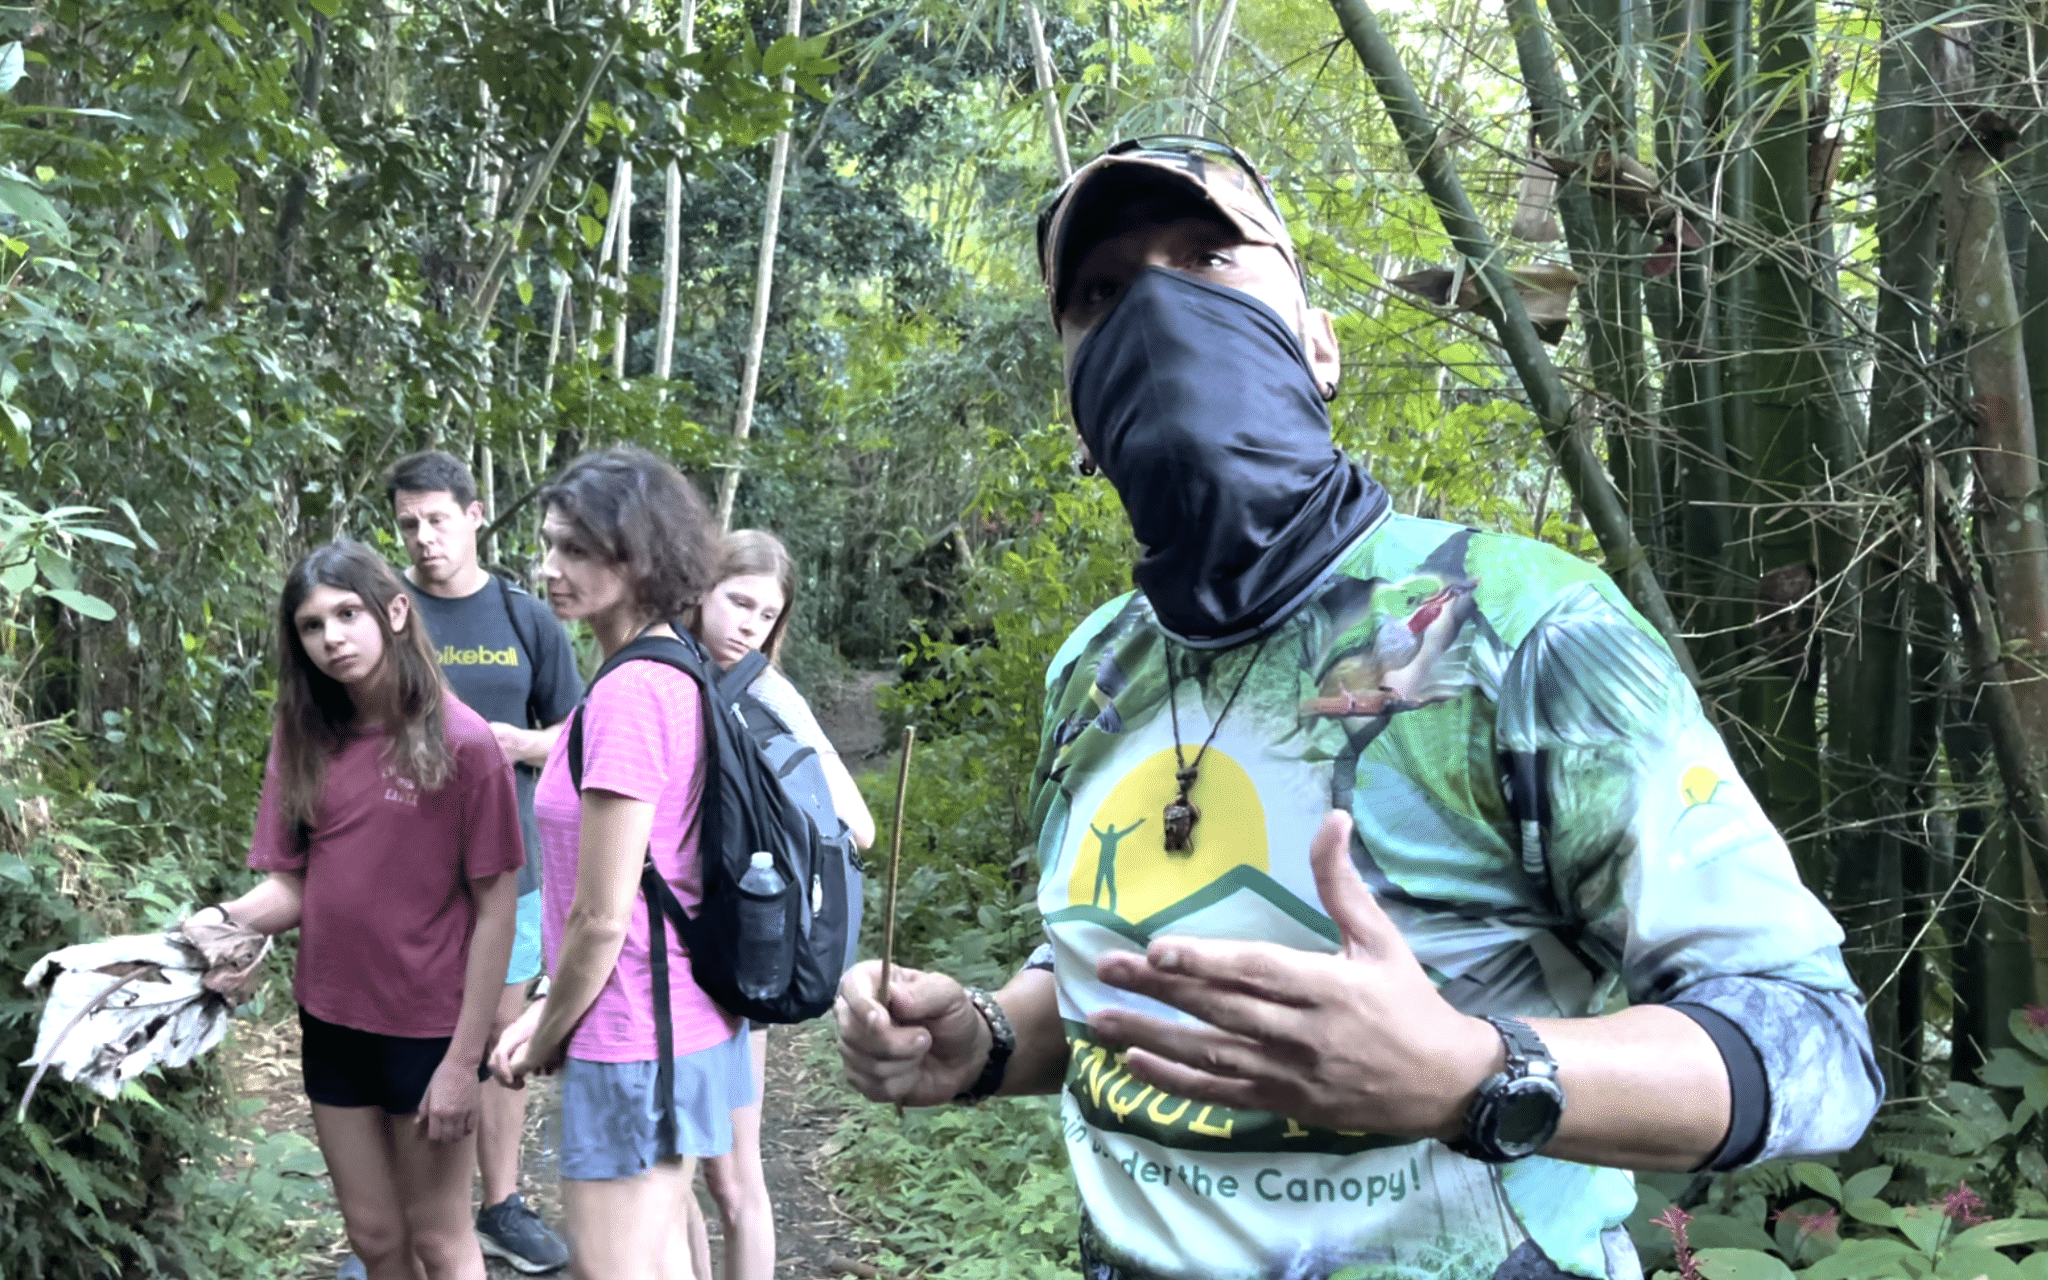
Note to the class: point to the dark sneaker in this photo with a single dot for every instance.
(351, 1268)
(511, 1231)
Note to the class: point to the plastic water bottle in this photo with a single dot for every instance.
(763, 923)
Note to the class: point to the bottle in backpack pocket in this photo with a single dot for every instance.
(763, 922)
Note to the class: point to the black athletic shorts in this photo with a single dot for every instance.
(344, 1067)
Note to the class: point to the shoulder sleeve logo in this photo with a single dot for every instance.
(1699, 784)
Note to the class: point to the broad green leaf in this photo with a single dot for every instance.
(11, 66)
(2003, 1233)
(2031, 1035)
(332, 8)
(66, 367)
(22, 200)
(1976, 1264)
(90, 606)
(56, 568)
(18, 577)
(1869, 1209)
(2034, 1266)
(1740, 1264)
(2009, 1069)
(1819, 1177)
(1721, 1231)
(1923, 1225)
(1859, 1259)
(2032, 1166)
(1862, 1186)
(18, 436)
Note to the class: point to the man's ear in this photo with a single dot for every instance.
(1325, 359)
(475, 512)
(399, 612)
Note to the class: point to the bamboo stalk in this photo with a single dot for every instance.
(895, 864)
(493, 277)
(622, 205)
(672, 228)
(1200, 117)
(764, 281)
(1041, 68)
(1581, 469)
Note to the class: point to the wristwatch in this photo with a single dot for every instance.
(1516, 1112)
(1002, 1042)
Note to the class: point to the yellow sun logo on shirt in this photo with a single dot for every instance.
(1123, 866)
(1699, 785)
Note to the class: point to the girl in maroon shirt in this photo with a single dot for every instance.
(389, 827)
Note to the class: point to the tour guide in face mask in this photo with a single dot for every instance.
(1398, 895)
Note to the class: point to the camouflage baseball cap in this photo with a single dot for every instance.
(1207, 173)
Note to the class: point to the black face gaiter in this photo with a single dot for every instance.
(1198, 403)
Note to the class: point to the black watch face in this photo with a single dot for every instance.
(1527, 1115)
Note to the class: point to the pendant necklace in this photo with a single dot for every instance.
(1181, 815)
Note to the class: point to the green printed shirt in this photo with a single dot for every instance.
(1430, 651)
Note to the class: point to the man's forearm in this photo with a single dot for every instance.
(1039, 1064)
(483, 979)
(1644, 1089)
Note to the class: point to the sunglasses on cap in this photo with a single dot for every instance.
(1187, 152)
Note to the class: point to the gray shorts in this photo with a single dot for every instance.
(609, 1110)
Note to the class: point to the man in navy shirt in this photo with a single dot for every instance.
(508, 658)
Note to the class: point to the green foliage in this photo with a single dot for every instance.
(153, 1182)
(982, 1191)
(1981, 1148)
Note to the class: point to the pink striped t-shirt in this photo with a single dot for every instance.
(643, 738)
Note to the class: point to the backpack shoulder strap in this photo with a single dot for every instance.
(683, 655)
(740, 677)
(529, 644)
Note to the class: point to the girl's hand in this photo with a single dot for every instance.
(516, 1058)
(448, 1112)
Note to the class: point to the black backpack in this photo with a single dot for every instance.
(762, 791)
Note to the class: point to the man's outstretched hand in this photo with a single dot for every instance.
(925, 1048)
(1359, 1041)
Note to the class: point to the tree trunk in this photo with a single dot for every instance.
(1599, 40)
(1692, 399)
(1870, 719)
(2006, 457)
(291, 214)
(764, 281)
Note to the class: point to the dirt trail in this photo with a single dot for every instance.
(803, 1108)
(804, 1099)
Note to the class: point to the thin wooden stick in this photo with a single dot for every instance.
(895, 863)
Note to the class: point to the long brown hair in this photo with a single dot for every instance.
(315, 714)
(744, 553)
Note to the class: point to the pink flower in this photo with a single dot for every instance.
(1964, 1206)
(2037, 1016)
(1673, 1219)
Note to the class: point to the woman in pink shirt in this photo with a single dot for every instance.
(629, 546)
(389, 827)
